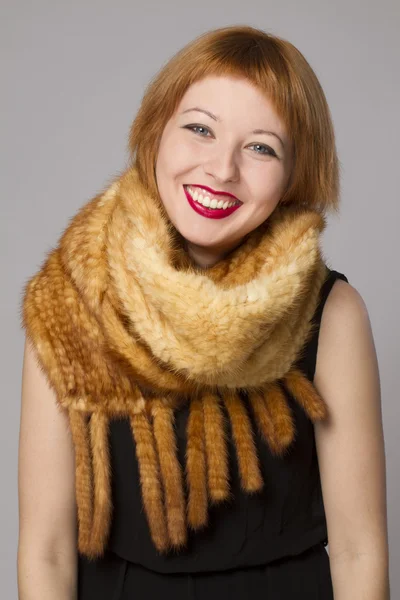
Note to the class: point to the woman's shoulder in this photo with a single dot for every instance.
(343, 304)
(345, 330)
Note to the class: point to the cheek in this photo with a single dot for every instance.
(174, 153)
(269, 185)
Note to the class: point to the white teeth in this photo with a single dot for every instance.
(210, 202)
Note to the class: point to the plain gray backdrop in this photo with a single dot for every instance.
(73, 74)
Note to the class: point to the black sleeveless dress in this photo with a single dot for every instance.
(269, 545)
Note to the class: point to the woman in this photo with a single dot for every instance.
(172, 364)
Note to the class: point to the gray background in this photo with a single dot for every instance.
(72, 78)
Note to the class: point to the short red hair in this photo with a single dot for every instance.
(276, 68)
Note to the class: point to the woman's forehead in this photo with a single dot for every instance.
(232, 101)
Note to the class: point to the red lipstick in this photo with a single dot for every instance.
(211, 213)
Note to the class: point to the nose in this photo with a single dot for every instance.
(222, 165)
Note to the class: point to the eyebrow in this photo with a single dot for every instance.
(215, 118)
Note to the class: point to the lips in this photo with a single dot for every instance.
(210, 213)
(214, 192)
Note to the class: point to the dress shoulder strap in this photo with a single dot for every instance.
(308, 359)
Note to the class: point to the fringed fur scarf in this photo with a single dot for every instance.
(125, 324)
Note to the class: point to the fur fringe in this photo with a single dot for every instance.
(170, 506)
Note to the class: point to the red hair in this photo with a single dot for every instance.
(276, 68)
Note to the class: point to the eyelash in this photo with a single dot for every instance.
(271, 151)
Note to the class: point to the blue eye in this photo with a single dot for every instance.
(271, 152)
(193, 127)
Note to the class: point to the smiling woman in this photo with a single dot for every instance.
(175, 328)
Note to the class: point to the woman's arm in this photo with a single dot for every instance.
(350, 448)
(47, 554)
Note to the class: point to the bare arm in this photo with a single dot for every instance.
(47, 555)
(350, 448)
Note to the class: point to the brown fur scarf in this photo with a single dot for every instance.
(124, 324)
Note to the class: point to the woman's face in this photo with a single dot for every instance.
(225, 137)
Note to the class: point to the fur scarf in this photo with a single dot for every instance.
(125, 324)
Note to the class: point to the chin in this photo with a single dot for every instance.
(217, 247)
(200, 241)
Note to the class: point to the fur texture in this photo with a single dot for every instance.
(124, 323)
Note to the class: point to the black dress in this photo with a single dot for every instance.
(268, 545)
